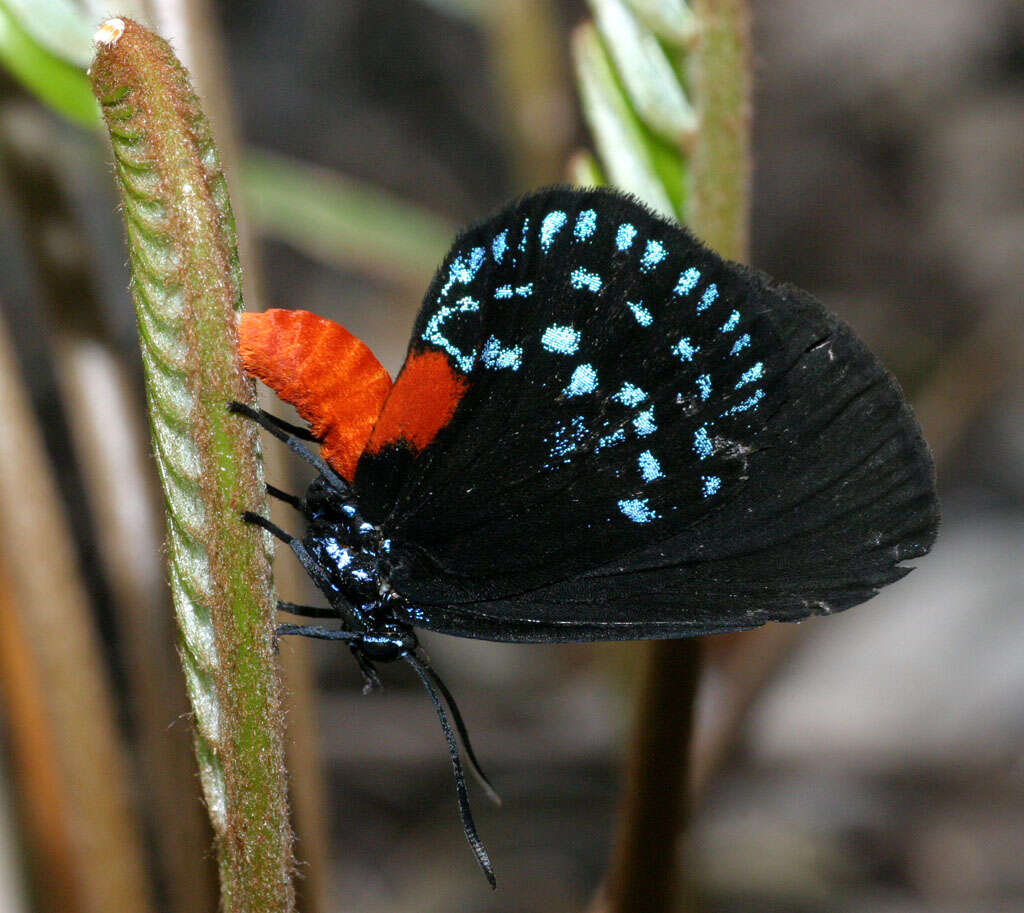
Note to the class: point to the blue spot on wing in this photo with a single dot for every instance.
(644, 424)
(747, 404)
(704, 386)
(650, 468)
(653, 254)
(433, 331)
(496, 356)
(740, 344)
(708, 298)
(499, 245)
(710, 485)
(687, 281)
(583, 380)
(731, 323)
(638, 510)
(582, 278)
(624, 236)
(629, 395)
(642, 315)
(550, 226)
(702, 445)
(586, 224)
(561, 340)
(750, 375)
(685, 350)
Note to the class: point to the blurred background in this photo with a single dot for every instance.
(872, 761)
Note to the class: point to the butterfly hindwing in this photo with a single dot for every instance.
(603, 429)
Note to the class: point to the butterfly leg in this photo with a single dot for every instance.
(312, 566)
(317, 633)
(306, 611)
(291, 500)
(371, 680)
(293, 444)
(303, 434)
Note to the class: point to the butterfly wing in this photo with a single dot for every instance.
(602, 430)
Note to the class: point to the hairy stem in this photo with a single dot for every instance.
(187, 290)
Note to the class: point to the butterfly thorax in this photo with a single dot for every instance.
(352, 554)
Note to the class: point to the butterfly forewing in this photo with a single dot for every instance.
(602, 429)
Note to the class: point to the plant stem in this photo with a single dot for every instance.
(654, 807)
(186, 284)
(720, 165)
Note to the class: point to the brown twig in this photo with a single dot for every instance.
(654, 805)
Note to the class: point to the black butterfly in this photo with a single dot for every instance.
(602, 431)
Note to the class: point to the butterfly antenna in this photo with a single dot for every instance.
(460, 726)
(465, 813)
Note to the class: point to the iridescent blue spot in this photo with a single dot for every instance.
(750, 375)
(499, 245)
(654, 253)
(704, 386)
(495, 356)
(583, 380)
(731, 323)
(433, 333)
(415, 613)
(506, 291)
(708, 298)
(630, 395)
(643, 316)
(525, 234)
(586, 224)
(687, 281)
(710, 485)
(385, 546)
(650, 468)
(644, 424)
(342, 557)
(685, 349)
(740, 344)
(568, 437)
(610, 440)
(581, 278)
(561, 340)
(463, 269)
(624, 236)
(348, 510)
(638, 510)
(702, 445)
(748, 403)
(550, 226)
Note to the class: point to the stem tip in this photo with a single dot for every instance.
(109, 32)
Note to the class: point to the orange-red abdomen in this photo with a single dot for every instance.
(332, 378)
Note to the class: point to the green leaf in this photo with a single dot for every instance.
(670, 20)
(646, 72)
(343, 222)
(58, 83)
(627, 149)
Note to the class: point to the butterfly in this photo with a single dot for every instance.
(601, 431)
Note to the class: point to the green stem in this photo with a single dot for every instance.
(186, 285)
(720, 165)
